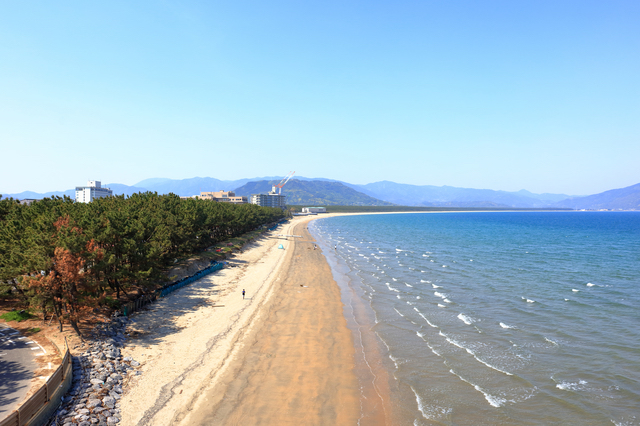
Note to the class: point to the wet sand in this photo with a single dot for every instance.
(283, 355)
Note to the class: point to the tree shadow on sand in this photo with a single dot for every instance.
(152, 324)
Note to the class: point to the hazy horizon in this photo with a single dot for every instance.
(258, 178)
(534, 95)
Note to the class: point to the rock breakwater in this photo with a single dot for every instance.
(99, 374)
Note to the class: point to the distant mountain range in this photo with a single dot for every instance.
(314, 193)
(624, 198)
(320, 191)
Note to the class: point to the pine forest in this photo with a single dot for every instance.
(65, 258)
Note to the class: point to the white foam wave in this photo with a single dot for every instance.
(392, 288)
(574, 290)
(568, 386)
(398, 296)
(424, 281)
(444, 266)
(503, 325)
(417, 297)
(494, 401)
(446, 300)
(425, 318)
(408, 285)
(590, 285)
(466, 319)
(440, 295)
(551, 341)
(473, 354)
(395, 360)
(440, 305)
(394, 279)
(425, 255)
(432, 261)
(435, 286)
(429, 412)
(399, 249)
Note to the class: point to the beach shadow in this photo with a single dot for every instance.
(152, 324)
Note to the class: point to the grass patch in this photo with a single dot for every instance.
(17, 316)
(33, 330)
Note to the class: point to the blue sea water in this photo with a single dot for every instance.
(499, 318)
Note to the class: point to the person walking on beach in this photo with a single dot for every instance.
(243, 293)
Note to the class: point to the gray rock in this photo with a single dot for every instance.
(94, 403)
(113, 420)
(108, 400)
(135, 363)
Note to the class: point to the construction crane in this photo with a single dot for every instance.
(282, 183)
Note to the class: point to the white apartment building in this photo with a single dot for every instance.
(93, 190)
(314, 210)
(269, 200)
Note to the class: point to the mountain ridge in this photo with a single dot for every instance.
(627, 198)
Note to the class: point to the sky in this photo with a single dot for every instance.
(505, 95)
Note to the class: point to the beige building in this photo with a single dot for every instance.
(223, 197)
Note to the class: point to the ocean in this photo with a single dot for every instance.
(496, 318)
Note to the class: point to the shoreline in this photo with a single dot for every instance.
(284, 355)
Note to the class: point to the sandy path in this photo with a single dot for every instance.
(281, 356)
(298, 366)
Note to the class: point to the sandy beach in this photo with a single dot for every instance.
(281, 355)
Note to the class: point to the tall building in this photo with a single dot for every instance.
(93, 190)
(223, 197)
(269, 200)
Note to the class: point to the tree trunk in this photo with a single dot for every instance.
(58, 312)
(74, 325)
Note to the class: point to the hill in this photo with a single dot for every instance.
(449, 196)
(313, 193)
(623, 198)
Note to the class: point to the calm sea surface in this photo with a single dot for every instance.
(500, 318)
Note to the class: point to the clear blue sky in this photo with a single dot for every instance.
(538, 95)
